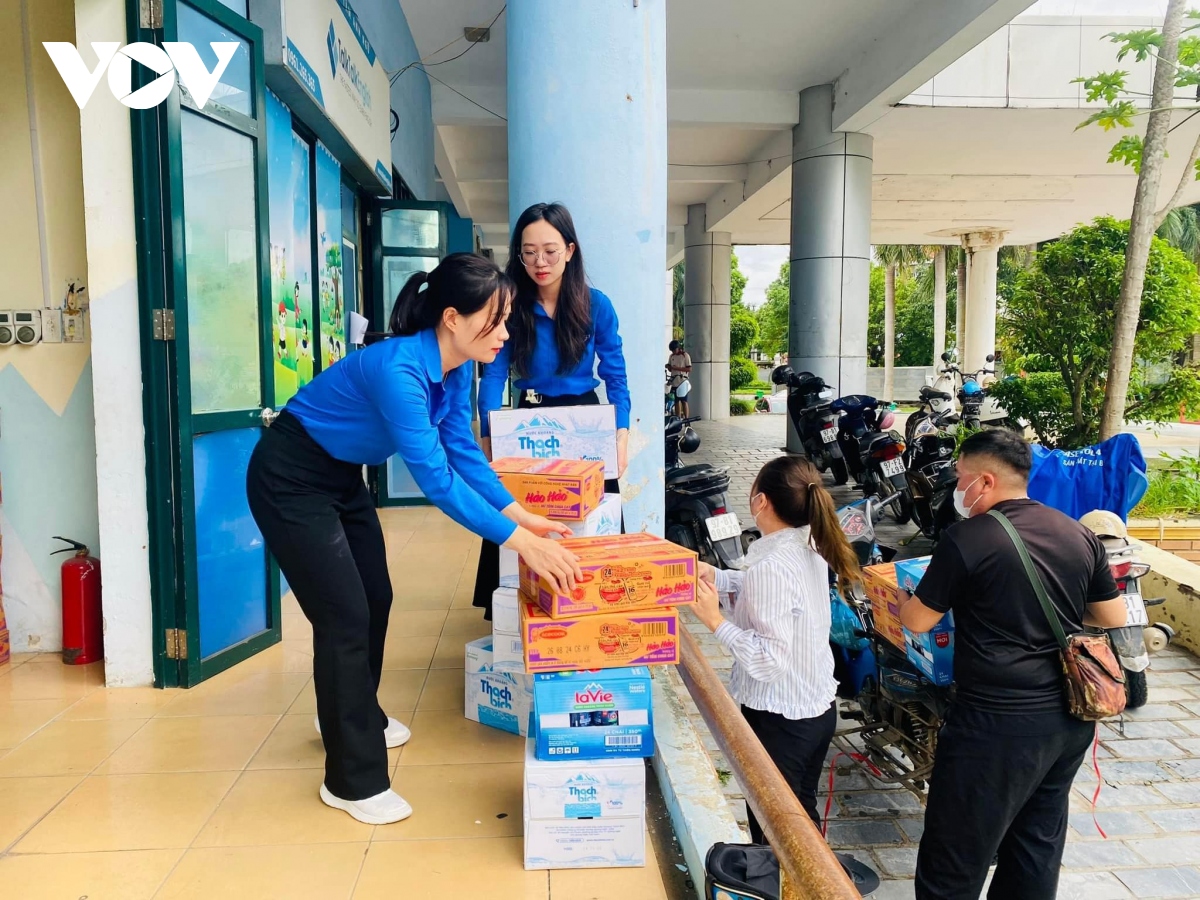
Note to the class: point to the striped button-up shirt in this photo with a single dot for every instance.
(778, 627)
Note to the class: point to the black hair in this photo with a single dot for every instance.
(1001, 445)
(793, 485)
(675, 346)
(463, 282)
(573, 315)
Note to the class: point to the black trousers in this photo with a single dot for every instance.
(798, 748)
(487, 574)
(318, 519)
(999, 790)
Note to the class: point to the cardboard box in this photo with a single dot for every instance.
(565, 432)
(595, 714)
(575, 788)
(932, 653)
(585, 843)
(649, 575)
(882, 590)
(508, 653)
(599, 642)
(564, 489)
(910, 571)
(604, 520)
(510, 569)
(502, 700)
(506, 611)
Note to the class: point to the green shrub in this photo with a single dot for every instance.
(739, 407)
(1041, 399)
(1174, 490)
(742, 373)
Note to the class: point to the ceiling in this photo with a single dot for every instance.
(733, 81)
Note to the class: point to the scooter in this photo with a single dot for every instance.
(697, 507)
(978, 408)
(875, 454)
(932, 476)
(810, 409)
(900, 711)
(1133, 643)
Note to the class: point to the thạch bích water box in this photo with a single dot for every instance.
(502, 700)
(564, 489)
(585, 843)
(574, 788)
(595, 714)
(508, 654)
(506, 610)
(564, 432)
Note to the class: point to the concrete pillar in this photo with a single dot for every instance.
(979, 334)
(960, 305)
(831, 247)
(706, 314)
(587, 83)
(939, 306)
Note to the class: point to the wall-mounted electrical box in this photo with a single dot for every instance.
(28, 325)
(8, 334)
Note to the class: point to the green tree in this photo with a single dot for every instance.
(737, 281)
(677, 297)
(773, 314)
(1062, 313)
(743, 331)
(1176, 52)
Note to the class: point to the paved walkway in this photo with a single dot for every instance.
(137, 793)
(1150, 763)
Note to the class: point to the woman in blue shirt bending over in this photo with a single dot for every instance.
(563, 333)
(408, 395)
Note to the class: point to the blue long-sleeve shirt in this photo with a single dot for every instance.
(390, 398)
(544, 376)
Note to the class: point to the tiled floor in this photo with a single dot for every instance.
(211, 793)
(1150, 802)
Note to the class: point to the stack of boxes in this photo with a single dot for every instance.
(5, 644)
(933, 652)
(569, 670)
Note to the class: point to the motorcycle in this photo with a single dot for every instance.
(810, 409)
(900, 711)
(674, 392)
(874, 453)
(697, 508)
(932, 475)
(1133, 643)
(978, 408)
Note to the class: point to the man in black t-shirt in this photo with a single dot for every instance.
(1009, 750)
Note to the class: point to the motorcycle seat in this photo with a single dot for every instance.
(687, 473)
(928, 393)
(854, 403)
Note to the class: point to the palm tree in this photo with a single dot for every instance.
(1181, 229)
(677, 296)
(893, 257)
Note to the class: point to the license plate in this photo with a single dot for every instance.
(722, 528)
(829, 435)
(1135, 610)
(892, 467)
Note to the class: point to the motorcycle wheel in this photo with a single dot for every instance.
(1137, 690)
(749, 536)
(841, 474)
(683, 536)
(902, 508)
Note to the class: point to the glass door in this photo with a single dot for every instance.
(408, 236)
(221, 602)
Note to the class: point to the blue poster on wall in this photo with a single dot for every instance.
(329, 257)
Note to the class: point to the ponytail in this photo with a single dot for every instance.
(462, 281)
(794, 487)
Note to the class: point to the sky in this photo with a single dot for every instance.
(760, 264)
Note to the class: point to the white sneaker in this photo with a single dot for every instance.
(382, 809)
(395, 735)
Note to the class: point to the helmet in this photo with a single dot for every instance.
(970, 388)
(781, 374)
(690, 442)
(888, 420)
(1104, 524)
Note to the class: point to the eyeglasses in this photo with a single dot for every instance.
(551, 257)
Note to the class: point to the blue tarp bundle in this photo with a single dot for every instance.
(1110, 475)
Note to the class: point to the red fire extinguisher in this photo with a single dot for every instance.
(82, 624)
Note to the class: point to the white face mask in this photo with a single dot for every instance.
(960, 500)
(753, 514)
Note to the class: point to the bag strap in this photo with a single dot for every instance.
(1035, 579)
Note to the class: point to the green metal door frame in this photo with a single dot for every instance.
(162, 288)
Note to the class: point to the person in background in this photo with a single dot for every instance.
(778, 623)
(407, 395)
(680, 366)
(1009, 750)
(564, 333)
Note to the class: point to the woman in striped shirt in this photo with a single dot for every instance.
(778, 625)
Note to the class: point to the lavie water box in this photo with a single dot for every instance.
(575, 788)
(502, 700)
(564, 432)
(595, 714)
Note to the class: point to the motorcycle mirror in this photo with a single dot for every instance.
(946, 357)
(991, 357)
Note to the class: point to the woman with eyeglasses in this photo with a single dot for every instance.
(563, 334)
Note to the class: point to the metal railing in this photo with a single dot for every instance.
(808, 868)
